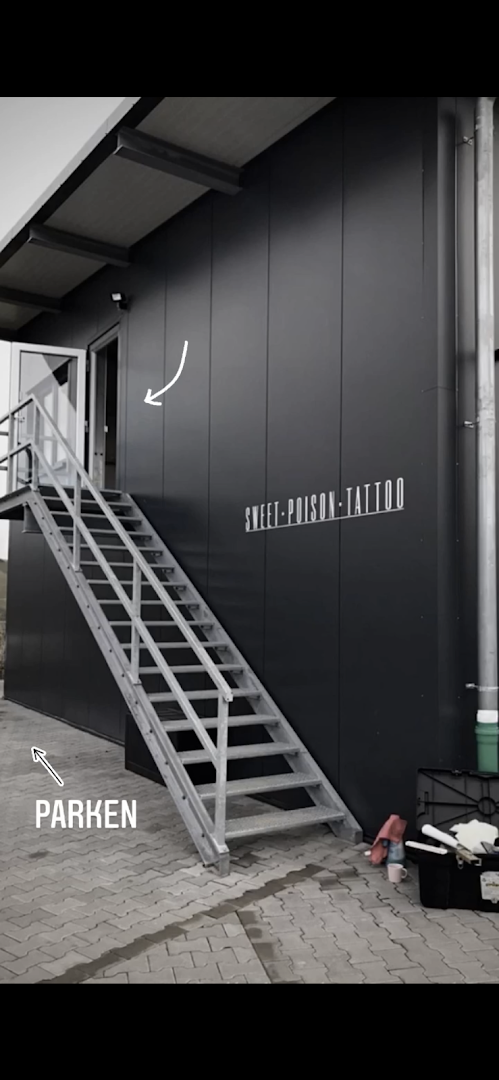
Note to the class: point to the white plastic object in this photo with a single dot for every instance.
(471, 834)
(436, 834)
(426, 847)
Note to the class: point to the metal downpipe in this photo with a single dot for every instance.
(486, 730)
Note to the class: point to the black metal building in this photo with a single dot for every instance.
(310, 469)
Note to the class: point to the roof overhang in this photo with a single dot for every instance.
(162, 156)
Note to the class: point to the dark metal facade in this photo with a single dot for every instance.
(319, 305)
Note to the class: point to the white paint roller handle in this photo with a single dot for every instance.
(426, 847)
(445, 838)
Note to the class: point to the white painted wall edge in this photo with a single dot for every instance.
(97, 137)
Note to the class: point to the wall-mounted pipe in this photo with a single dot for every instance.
(486, 730)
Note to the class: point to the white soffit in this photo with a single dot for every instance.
(122, 202)
(41, 270)
(232, 130)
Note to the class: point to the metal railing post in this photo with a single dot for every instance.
(221, 781)
(136, 598)
(76, 523)
(35, 465)
(10, 460)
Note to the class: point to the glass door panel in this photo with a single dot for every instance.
(56, 377)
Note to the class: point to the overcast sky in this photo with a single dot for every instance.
(42, 139)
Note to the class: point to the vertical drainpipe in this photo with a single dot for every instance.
(486, 729)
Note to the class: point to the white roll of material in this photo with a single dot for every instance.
(445, 838)
(426, 847)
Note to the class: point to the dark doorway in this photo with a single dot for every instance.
(102, 412)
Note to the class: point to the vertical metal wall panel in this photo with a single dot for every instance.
(78, 667)
(33, 625)
(185, 411)
(145, 369)
(303, 434)
(450, 681)
(238, 415)
(389, 662)
(52, 637)
(13, 677)
(53, 662)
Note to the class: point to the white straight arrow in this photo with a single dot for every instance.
(149, 398)
(41, 756)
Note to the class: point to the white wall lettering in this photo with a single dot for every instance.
(400, 493)
(355, 502)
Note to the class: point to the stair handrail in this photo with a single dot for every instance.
(145, 567)
(217, 752)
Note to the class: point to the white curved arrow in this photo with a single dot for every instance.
(149, 398)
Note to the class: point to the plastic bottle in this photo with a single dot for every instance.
(396, 852)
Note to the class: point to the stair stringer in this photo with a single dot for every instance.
(183, 792)
(325, 795)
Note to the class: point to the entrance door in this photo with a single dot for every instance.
(102, 411)
(56, 377)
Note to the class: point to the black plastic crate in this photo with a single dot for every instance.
(445, 797)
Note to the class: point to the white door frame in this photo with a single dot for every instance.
(79, 355)
(96, 439)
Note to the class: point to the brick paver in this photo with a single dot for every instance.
(136, 906)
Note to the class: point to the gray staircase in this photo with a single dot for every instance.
(177, 668)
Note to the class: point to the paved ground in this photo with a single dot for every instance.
(136, 906)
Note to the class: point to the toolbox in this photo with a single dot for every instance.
(444, 798)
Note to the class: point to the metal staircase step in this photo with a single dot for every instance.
(280, 821)
(256, 785)
(85, 502)
(110, 532)
(192, 669)
(115, 547)
(100, 517)
(154, 566)
(212, 722)
(129, 581)
(239, 753)
(203, 695)
(193, 622)
(48, 492)
(143, 603)
(178, 644)
(171, 624)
